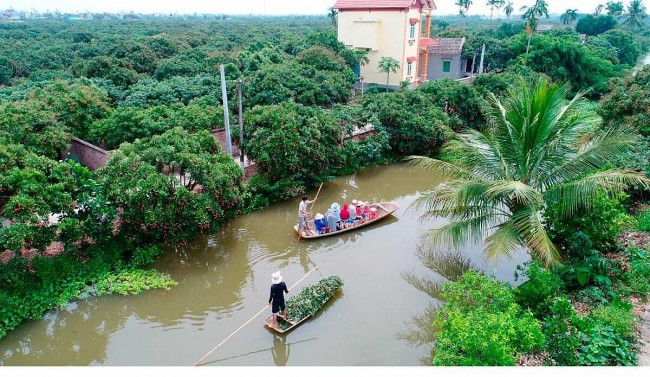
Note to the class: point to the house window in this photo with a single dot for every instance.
(446, 65)
(409, 69)
(412, 32)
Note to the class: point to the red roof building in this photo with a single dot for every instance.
(386, 29)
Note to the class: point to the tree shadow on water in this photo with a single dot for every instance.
(446, 266)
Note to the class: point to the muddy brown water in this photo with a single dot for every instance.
(224, 280)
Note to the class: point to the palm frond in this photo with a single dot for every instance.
(448, 169)
(504, 241)
(462, 232)
(570, 198)
(528, 223)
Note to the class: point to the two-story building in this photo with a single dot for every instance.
(398, 29)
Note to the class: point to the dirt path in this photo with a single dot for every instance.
(644, 340)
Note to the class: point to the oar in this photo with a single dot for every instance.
(249, 321)
(312, 207)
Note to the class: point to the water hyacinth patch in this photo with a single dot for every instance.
(310, 300)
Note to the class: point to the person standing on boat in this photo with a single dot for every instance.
(277, 298)
(302, 213)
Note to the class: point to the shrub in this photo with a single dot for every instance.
(616, 314)
(636, 280)
(561, 329)
(535, 293)
(604, 346)
(600, 224)
(480, 324)
(644, 221)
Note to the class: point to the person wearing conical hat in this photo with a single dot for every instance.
(277, 298)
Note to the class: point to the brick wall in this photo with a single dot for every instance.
(87, 154)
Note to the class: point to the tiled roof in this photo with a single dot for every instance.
(446, 46)
(425, 42)
(372, 4)
(411, 59)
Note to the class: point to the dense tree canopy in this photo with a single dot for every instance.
(172, 186)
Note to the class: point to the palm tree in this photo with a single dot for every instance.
(598, 9)
(532, 15)
(332, 14)
(508, 9)
(463, 6)
(388, 65)
(494, 4)
(614, 8)
(636, 12)
(569, 16)
(541, 150)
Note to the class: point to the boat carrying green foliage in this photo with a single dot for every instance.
(310, 300)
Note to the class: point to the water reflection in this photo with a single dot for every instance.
(280, 350)
(446, 266)
(224, 279)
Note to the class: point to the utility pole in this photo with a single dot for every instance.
(473, 62)
(241, 125)
(482, 54)
(226, 119)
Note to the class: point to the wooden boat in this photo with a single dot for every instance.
(383, 209)
(292, 325)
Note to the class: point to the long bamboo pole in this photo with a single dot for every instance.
(249, 321)
(312, 207)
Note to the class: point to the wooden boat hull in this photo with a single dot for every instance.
(384, 209)
(293, 325)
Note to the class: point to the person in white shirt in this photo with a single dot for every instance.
(302, 213)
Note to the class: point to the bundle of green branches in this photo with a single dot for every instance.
(311, 299)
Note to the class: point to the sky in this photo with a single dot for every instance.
(268, 7)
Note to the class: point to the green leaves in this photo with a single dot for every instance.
(311, 299)
(480, 324)
(540, 150)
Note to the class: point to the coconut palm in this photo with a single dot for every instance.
(332, 15)
(494, 4)
(614, 8)
(463, 6)
(508, 9)
(540, 150)
(598, 9)
(636, 12)
(569, 16)
(388, 65)
(532, 15)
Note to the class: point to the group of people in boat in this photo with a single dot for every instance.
(336, 217)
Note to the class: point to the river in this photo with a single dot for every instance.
(645, 60)
(224, 280)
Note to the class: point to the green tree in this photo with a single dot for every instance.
(463, 6)
(594, 25)
(614, 8)
(494, 4)
(332, 14)
(541, 149)
(627, 48)
(598, 9)
(532, 15)
(462, 103)
(636, 12)
(508, 9)
(292, 143)
(172, 187)
(569, 16)
(628, 102)
(414, 124)
(388, 65)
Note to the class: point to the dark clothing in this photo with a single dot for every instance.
(277, 296)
